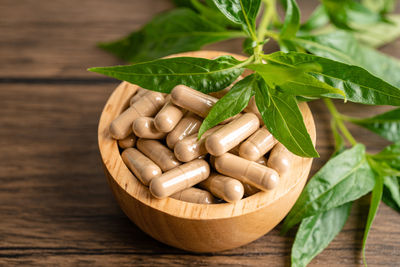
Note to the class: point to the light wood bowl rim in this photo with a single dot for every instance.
(112, 161)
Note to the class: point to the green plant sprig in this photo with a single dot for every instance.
(330, 56)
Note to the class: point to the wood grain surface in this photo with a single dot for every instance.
(55, 205)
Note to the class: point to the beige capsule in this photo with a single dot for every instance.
(281, 159)
(144, 127)
(247, 171)
(192, 100)
(127, 142)
(180, 178)
(194, 195)
(168, 117)
(148, 105)
(224, 187)
(140, 92)
(143, 167)
(158, 153)
(257, 145)
(191, 148)
(188, 125)
(231, 134)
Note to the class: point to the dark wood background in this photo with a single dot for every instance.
(55, 205)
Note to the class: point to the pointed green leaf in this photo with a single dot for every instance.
(391, 192)
(243, 12)
(284, 121)
(317, 19)
(359, 85)
(386, 124)
(292, 20)
(373, 208)
(390, 155)
(344, 178)
(163, 75)
(316, 232)
(230, 104)
(176, 31)
(294, 80)
(343, 46)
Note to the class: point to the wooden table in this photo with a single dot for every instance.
(55, 205)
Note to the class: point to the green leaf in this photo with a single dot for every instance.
(391, 192)
(316, 232)
(317, 19)
(386, 125)
(211, 13)
(292, 20)
(380, 6)
(230, 104)
(373, 208)
(176, 31)
(339, 140)
(390, 155)
(243, 12)
(284, 121)
(343, 46)
(294, 80)
(344, 12)
(380, 33)
(344, 178)
(163, 75)
(359, 85)
(248, 46)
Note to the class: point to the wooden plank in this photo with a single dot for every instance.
(56, 207)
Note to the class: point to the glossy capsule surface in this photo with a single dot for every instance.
(141, 166)
(157, 152)
(281, 159)
(180, 178)
(168, 117)
(247, 171)
(224, 187)
(148, 105)
(127, 142)
(194, 195)
(188, 125)
(257, 145)
(231, 134)
(144, 127)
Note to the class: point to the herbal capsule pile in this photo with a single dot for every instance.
(157, 134)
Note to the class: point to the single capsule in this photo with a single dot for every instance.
(190, 148)
(257, 145)
(188, 125)
(281, 159)
(194, 195)
(168, 117)
(250, 190)
(148, 105)
(224, 187)
(144, 169)
(141, 92)
(144, 127)
(127, 141)
(192, 100)
(252, 107)
(247, 171)
(229, 136)
(180, 178)
(158, 153)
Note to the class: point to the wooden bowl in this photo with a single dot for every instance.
(189, 226)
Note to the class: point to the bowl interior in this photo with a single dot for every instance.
(119, 100)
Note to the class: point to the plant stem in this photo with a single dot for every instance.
(269, 10)
(339, 121)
